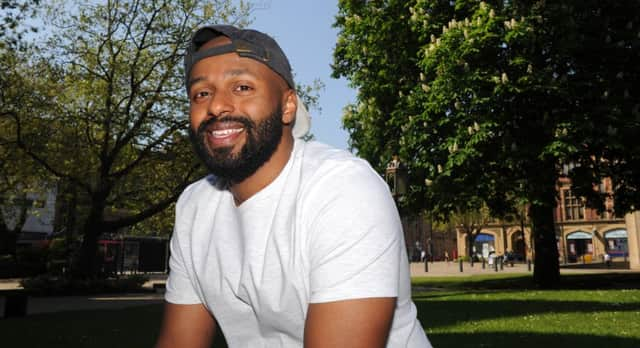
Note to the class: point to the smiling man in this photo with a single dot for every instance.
(287, 243)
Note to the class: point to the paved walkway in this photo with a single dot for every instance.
(117, 301)
(451, 268)
(36, 305)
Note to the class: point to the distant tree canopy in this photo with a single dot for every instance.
(100, 104)
(97, 105)
(487, 99)
(13, 14)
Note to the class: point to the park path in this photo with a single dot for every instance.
(38, 305)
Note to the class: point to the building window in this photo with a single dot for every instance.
(573, 206)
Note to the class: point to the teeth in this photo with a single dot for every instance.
(225, 132)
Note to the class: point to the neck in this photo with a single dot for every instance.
(266, 174)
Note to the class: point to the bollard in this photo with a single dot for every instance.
(426, 264)
(495, 265)
(501, 264)
(529, 265)
(460, 265)
(483, 265)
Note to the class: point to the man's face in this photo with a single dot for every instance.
(235, 113)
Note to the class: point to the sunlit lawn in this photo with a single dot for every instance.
(488, 311)
(507, 311)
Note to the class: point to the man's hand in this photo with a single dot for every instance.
(186, 326)
(352, 323)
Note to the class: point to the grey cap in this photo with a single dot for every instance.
(249, 44)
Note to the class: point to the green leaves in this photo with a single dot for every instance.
(473, 95)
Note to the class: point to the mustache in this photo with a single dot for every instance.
(245, 121)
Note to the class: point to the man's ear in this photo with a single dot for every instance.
(289, 107)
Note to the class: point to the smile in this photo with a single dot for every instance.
(222, 133)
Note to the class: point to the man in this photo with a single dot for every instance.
(288, 243)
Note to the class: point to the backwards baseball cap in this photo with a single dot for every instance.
(252, 44)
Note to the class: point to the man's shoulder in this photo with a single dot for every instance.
(328, 167)
(319, 156)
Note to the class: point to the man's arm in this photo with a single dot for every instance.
(350, 323)
(186, 326)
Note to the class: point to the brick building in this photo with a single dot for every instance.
(583, 235)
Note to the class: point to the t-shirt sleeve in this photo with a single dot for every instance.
(355, 237)
(179, 287)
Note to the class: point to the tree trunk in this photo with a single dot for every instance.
(546, 272)
(88, 263)
(8, 239)
(8, 236)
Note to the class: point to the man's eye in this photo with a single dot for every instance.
(201, 94)
(243, 88)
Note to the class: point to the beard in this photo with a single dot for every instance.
(262, 140)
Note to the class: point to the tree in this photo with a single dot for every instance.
(18, 174)
(12, 17)
(108, 112)
(498, 95)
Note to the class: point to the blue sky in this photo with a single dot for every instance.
(303, 28)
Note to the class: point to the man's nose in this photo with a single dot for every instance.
(220, 104)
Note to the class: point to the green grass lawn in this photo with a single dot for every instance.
(598, 311)
(508, 311)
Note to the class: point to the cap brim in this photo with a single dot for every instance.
(303, 121)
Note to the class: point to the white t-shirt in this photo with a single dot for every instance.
(325, 230)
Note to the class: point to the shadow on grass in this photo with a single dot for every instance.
(433, 314)
(523, 282)
(527, 340)
(117, 328)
